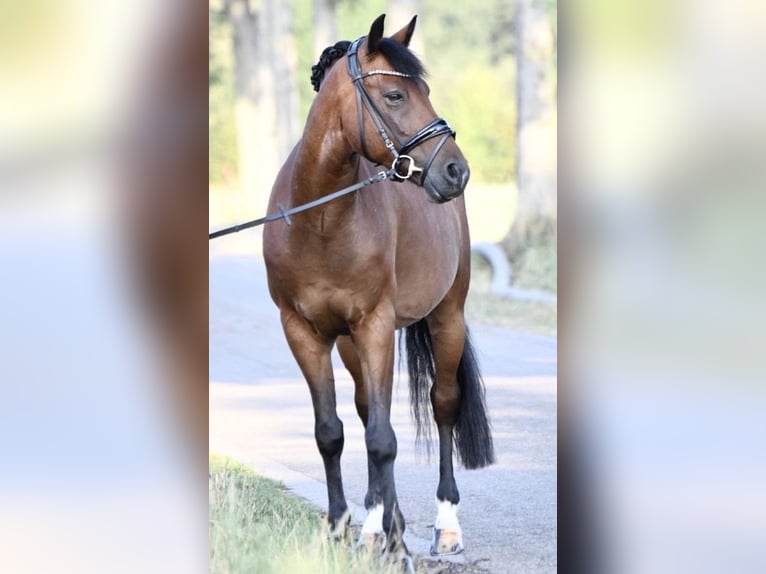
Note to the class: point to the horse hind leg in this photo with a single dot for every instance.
(447, 344)
(313, 357)
(440, 345)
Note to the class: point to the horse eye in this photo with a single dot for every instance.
(394, 97)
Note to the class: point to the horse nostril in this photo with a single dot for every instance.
(457, 175)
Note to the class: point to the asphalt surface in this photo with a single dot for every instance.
(260, 414)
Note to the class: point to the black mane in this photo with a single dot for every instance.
(326, 60)
(398, 56)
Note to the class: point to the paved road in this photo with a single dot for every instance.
(260, 413)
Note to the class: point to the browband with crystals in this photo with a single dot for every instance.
(385, 73)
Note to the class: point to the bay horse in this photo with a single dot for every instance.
(392, 256)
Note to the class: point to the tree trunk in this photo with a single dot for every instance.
(535, 221)
(265, 62)
(284, 60)
(325, 28)
(255, 102)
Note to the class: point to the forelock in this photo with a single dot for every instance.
(400, 58)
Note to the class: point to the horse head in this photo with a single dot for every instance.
(387, 117)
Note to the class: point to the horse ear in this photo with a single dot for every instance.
(404, 35)
(375, 35)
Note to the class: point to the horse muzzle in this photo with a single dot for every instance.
(448, 181)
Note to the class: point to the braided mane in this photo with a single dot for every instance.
(400, 58)
(326, 60)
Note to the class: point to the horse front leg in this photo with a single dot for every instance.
(350, 359)
(313, 356)
(374, 342)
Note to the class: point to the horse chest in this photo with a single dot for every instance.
(330, 311)
(334, 302)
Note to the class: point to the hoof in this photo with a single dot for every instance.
(373, 537)
(373, 541)
(446, 542)
(339, 530)
(400, 554)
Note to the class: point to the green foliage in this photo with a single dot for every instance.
(304, 43)
(222, 133)
(535, 267)
(355, 17)
(216, 18)
(247, 513)
(255, 525)
(483, 113)
(501, 30)
(222, 137)
(472, 83)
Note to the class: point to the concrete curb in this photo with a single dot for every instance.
(501, 276)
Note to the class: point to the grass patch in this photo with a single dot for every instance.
(484, 307)
(257, 526)
(536, 268)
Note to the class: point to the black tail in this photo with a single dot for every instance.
(472, 434)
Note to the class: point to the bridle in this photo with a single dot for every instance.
(438, 127)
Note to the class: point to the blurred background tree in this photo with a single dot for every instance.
(490, 63)
(263, 60)
(222, 137)
(531, 241)
(324, 29)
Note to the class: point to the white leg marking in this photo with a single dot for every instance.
(374, 521)
(446, 516)
(448, 536)
(372, 535)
